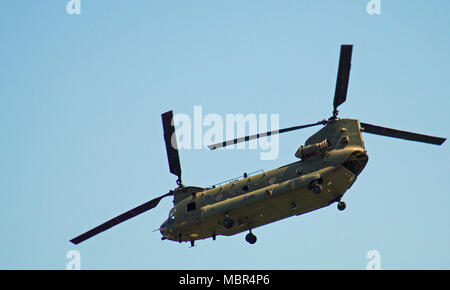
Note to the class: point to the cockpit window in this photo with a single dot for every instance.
(172, 215)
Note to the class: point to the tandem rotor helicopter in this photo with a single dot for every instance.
(330, 162)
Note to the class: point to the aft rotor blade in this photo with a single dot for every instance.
(256, 136)
(119, 219)
(171, 144)
(343, 76)
(411, 136)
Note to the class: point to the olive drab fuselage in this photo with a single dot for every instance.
(330, 162)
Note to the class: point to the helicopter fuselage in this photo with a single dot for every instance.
(331, 161)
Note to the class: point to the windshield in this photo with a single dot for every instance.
(172, 215)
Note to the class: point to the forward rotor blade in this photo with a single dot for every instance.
(411, 136)
(119, 219)
(340, 95)
(269, 133)
(171, 144)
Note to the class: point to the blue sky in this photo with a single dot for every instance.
(81, 98)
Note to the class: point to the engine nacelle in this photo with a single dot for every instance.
(312, 150)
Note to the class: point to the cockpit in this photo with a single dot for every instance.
(165, 227)
(172, 216)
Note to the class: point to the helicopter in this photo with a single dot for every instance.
(330, 162)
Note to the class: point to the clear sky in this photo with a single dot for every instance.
(81, 140)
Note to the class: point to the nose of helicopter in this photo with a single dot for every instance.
(163, 229)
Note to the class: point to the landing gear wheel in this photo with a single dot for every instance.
(250, 238)
(341, 205)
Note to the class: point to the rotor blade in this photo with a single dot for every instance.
(378, 130)
(171, 144)
(343, 76)
(269, 133)
(119, 219)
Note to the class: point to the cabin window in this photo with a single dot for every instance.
(245, 188)
(191, 206)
